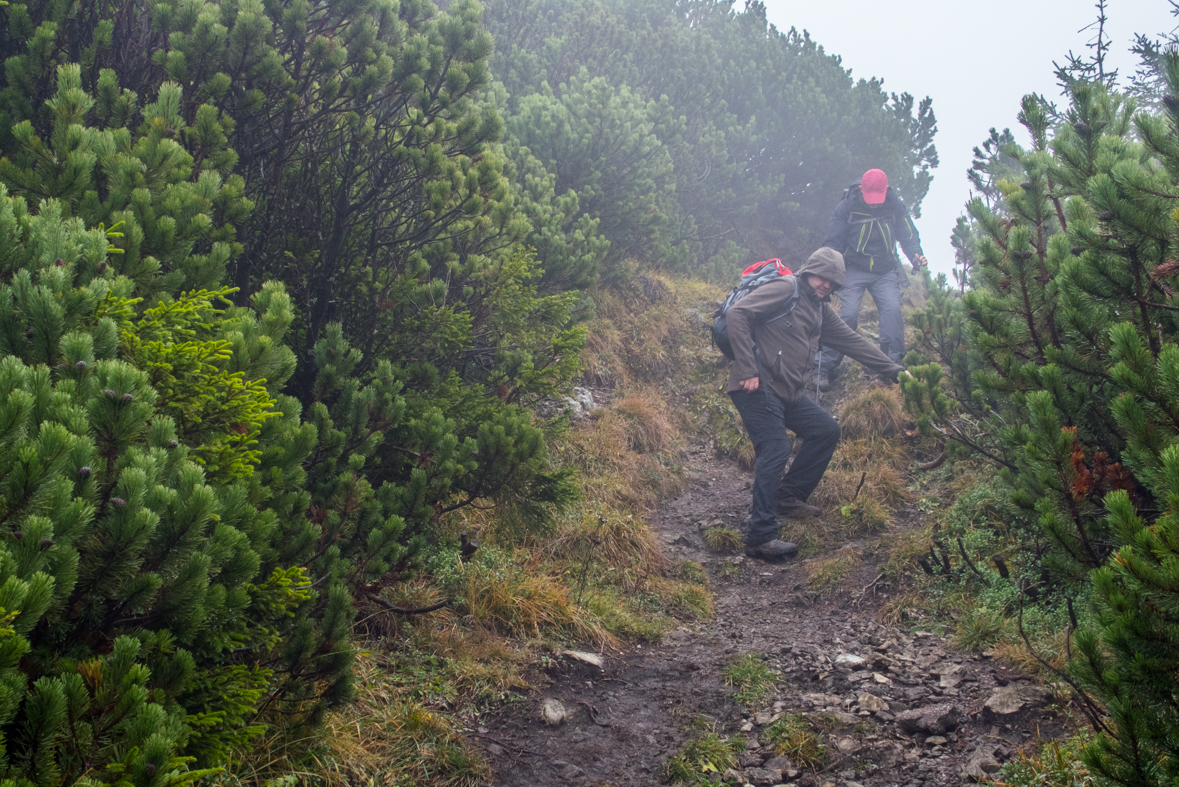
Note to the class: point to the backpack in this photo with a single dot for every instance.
(751, 278)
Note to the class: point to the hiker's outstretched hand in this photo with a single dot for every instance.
(919, 262)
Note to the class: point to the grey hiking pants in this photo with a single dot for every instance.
(886, 292)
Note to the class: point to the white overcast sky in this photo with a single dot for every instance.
(976, 60)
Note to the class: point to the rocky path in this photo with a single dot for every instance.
(897, 706)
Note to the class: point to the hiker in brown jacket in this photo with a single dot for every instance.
(773, 358)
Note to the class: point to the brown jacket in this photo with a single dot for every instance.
(787, 346)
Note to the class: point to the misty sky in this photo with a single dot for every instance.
(976, 64)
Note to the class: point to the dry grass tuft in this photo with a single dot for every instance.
(794, 736)
(390, 743)
(612, 475)
(381, 738)
(1052, 649)
(878, 462)
(904, 547)
(643, 422)
(902, 607)
(826, 575)
(864, 515)
(622, 543)
(522, 600)
(878, 412)
(723, 539)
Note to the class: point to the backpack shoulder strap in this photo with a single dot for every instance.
(790, 304)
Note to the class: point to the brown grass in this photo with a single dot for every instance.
(904, 547)
(643, 422)
(879, 462)
(381, 738)
(612, 475)
(527, 602)
(877, 412)
(826, 575)
(643, 334)
(1014, 651)
(622, 543)
(723, 539)
(905, 606)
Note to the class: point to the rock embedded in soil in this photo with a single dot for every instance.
(932, 719)
(984, 761)
(849, 660)
(553, 711)
(762, 777)
(1009, 700)
(779, 765)
(872, 703)
(588, 658)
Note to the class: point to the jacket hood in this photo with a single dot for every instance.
(827, 263)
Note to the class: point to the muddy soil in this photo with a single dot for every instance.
(900, 706)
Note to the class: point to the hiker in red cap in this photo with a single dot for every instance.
(865, 227)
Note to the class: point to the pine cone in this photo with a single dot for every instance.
(84, 472)
(118, 502)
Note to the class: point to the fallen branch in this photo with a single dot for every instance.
(868, 587)
(404, 610)
(969, 562)
(934, 463)
(1088, 706)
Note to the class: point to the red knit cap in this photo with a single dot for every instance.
(874, 186)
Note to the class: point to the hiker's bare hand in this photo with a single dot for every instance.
(750, 385)
(919, 261)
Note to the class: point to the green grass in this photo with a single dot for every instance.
(1056, 764)
(981, 628)
(703, 758)
(730, 570)
(793, 736)
(723, 539)
(751, 677)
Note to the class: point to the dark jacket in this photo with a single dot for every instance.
(867, 236)
(786, 347)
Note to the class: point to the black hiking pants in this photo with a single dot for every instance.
(767, 417)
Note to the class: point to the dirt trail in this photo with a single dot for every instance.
(925, 723)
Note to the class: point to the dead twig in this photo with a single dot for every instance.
(969, 562)
(868, 587)
(934, 463)
(1088, 706)
(373, 597)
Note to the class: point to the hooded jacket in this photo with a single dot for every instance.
(786, 347)
(867, 236)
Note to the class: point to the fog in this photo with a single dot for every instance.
(976, 61)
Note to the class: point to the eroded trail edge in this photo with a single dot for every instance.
(890, 704)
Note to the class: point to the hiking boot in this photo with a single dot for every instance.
(797, 509)
(771, 550)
